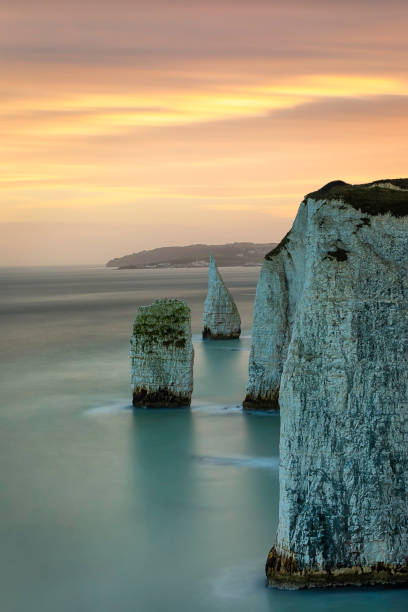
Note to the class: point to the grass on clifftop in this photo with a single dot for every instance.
(163, 322)
(370, 198)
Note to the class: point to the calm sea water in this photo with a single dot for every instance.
(107, 509)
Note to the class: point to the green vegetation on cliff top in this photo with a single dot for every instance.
(371, 198)
(163, 322)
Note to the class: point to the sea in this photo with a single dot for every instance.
(108, 509)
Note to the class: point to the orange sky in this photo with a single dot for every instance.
(135, 124)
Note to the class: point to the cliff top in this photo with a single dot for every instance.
(163, 322)
(376, 198)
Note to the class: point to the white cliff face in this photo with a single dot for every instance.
(162, 355)
(330, 344)
(221, 318)
(279, 288)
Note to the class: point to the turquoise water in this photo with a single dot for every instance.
(107, 509)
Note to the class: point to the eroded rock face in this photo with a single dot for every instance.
(330, 347)
(221, 318)
(279, 287)
(162, 355)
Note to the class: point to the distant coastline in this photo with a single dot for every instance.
(195, 256)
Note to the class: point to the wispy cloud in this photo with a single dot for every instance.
(215, 116)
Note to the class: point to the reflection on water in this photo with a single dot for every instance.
(220, 370)
(104, 508)
(239, 582)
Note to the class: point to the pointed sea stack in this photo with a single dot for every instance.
(162, 355)
(221, 320)
(330, 343)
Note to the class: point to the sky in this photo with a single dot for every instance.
(129, 125)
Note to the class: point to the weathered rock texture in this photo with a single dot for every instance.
(221, 318)
(162, 355)
(330, 345)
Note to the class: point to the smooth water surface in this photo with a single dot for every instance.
(107, 509)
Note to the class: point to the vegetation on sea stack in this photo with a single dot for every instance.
(162, 322)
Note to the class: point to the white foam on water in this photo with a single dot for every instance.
(262, 413)
(232, 348)
(197, 408)
(222, 409)
(202, 409)
(119, 408)
(263, 463)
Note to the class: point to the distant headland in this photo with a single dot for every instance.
(195, 256)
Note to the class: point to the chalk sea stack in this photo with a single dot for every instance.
(330, 348)
(221, 320)
(162, 355)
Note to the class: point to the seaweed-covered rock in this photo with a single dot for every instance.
(330, 347)
(162, 355)
(221, 318)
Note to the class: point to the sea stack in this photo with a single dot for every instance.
(221, 320)
(330, 347)
(162, 355)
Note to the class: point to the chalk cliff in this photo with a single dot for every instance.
(330, 347)
(221, 318)
(162, 355)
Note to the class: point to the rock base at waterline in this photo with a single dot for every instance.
(271, 402)
(209, 335)
(159, 398)
(282, 572)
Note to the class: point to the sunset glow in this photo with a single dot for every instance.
(135, 125)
